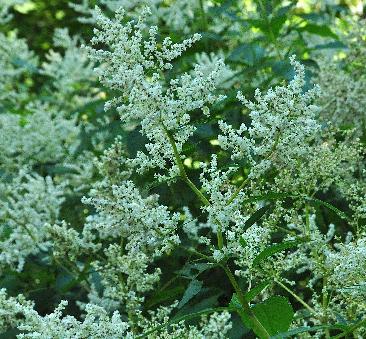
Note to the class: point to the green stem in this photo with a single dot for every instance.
(220, 239)
(204, 17)
(351, 329)
(307, 221)
(31, 236)
(301, 301)
(269, 26)
(235, 194)
(325, 305)
(184, 176)
(182, 170)
(257, 327)
(199, 254)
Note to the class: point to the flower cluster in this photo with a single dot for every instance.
(17, 312)
(135, 66)
(329, 163)
(347, 268)
(70, 72)
(177, 14)
(146, 229)
(208, 63)
(43, 136)
(5, 6)
(16, 63)
(343, 80)
(174, 207)
(283, 124)
(27, 204)
(39, 143)
(344, 96)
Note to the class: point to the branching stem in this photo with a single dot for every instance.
(184, 176)
(182, 170)
(300, 300)
(256, 325)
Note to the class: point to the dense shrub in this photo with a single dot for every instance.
(182, 169)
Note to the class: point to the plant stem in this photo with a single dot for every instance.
(325, 304)
(257, 327)
(199, 254)
(351, 329)
(307, 221)
(204, 17)
(242, 185)
(301, 301)
(184, 176)
(182, 170)
(235, 194)
(255, 323)
(270, 31)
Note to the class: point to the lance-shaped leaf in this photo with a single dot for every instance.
(271, 250)
(250, 295)
(192, 290)
(269, 197)
(304, 329)
(256, 216)
(318, 202)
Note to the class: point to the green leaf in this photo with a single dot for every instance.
(205, 303)
(283, 69)
(164, 295)
(59, 169)
(5, 232)
(275, 314)
(64, 282)
(270, 27)
(250, 295)
(313, 201)
(299, 330)
(276, 24)
(236, 305)
(11, 333)
(256, 216)
(234, 302)
(271, 250)
(242, 242)
(317, 202)
(192, 290)
(269, 196)
(238, 330)
(321, 30)
(258, 23)
(249, 54)
(331, 45)
(192, 270)
(285, 10)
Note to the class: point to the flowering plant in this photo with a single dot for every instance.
(155, 191)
